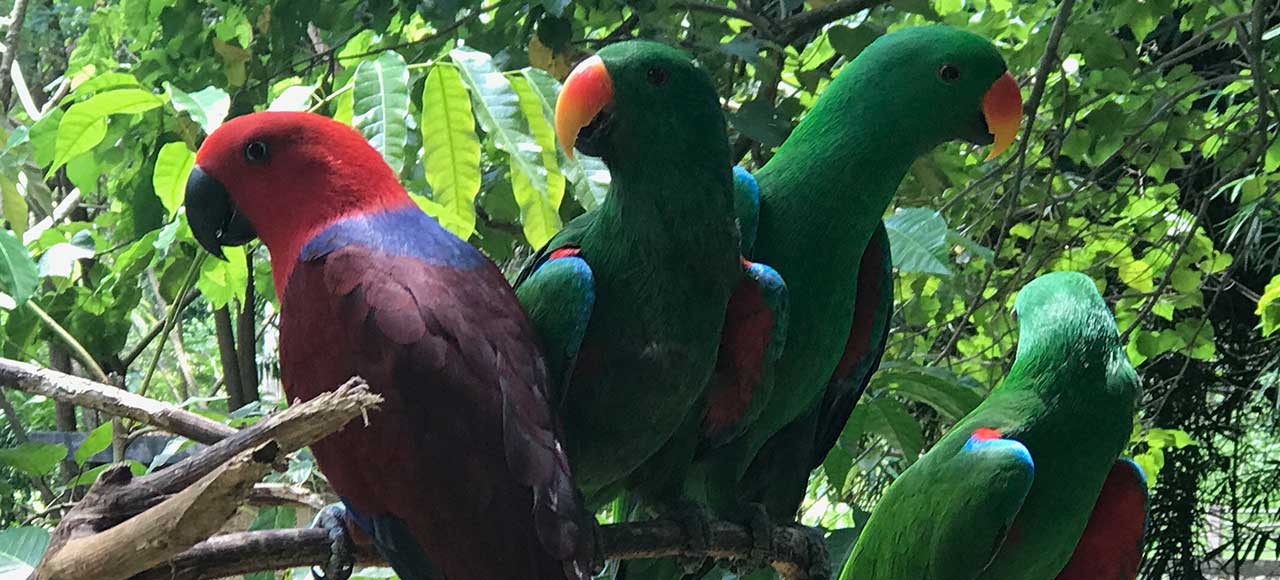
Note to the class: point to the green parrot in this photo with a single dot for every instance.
(821, 199)
(1008, 492)
(644, 305)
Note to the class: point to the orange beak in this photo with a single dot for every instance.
(1002, 107)
(585, 93)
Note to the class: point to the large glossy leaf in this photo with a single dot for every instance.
(889, 419)
(17, 269)
(13, 205)
(85, 123)
(173, 166)
(21, 550)
(540, 214)
(950, 395)
(35, 459)
(451, 149)
(97, 440)
(497, 108)
(381, 104)
(208, 107)
(221, 281)
(919, 239)
(588, 174)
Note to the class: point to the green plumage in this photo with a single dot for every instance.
(663, 252)
(1014, 507)
(822, 198)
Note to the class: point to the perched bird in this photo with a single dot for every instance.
(821, 199)
(644, 305)
(460, 474)
(1007, 493)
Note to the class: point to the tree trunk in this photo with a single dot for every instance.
(230, 358)
(64, 414)
(247, 339)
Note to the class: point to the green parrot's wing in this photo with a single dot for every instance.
(1111, 546)
(754, 334)
(557, 290)
(864, 348)
(946, 516)
(746, 204)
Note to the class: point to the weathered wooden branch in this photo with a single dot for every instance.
(118, 499)
(110, 400)
(163, 531)
(248, 552)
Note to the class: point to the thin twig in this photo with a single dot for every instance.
(77, 350)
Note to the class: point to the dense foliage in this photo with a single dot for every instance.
(1149, 160)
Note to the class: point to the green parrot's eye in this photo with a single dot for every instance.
(255, 152)
(657, 76)
(949, 73)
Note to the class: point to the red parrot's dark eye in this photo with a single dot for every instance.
(949, 73)
(255, 152)
(657, 76)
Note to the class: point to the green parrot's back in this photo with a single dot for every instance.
(1064, 413)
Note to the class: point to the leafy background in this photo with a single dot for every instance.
(1150, 163)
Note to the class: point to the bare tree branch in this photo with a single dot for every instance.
(163, 531)
(119, 498)
(12, 41)
(806, 22)
(248, 552)
(110, 400)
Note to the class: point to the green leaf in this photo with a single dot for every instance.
(1137, 275)
(169, 179)
(540, 214)
(85, 124)
(1269, 307)
(889, 419)
(17, 269)
(918, 237)
(13, 205)
(381, 104)
(295, 98)
(221, 281)
(208, 107)
(59, 260)
(451, 149)
(497, 108)
(589, 175)
(937, 387)
(21, 550)
(274, 517)
(97, 440)
(34, 459)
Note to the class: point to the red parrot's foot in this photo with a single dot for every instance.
(342, 549)
(819, 559)
(757, 520)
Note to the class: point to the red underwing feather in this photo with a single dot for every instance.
(1111, 546)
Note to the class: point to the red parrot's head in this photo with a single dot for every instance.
(283, 176)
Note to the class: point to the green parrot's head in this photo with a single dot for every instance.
(640, 101)
(935, 84)
(1063, 312)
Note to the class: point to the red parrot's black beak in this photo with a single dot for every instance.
(214, 219)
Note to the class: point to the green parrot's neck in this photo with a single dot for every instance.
(685, 199)
(842, 174)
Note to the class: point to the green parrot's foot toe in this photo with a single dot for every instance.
(819, 559)
(695, 522)
(691, 564)
(342, 550)
(757, 520)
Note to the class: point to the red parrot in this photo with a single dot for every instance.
(460, 474)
